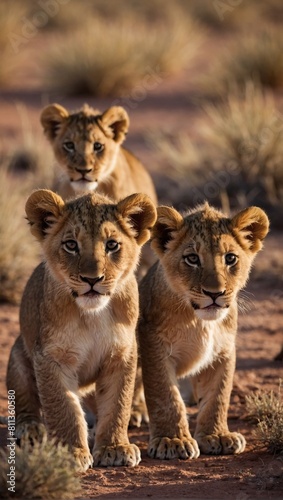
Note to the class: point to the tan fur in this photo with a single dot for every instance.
(186, 330)
(78, 317)
(113, 171)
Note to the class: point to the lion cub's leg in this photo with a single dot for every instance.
(21, 379)
(58, 392)
(114, 392)
(213, 389)
(139, 412)
(169, 430)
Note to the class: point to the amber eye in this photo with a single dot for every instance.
(69, 146)
(230, 259)
(70, 246)
(112, 246)
(192, 259)
(98, 147)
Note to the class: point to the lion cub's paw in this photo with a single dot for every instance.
(225, 444)
(138, 416)
(30, 432)
(167, 448)
(83, 459)
(128, 455)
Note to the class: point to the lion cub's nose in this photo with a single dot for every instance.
(213, 295)
(91, 281)
(83, 170)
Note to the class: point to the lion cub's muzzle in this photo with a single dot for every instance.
(213, 305)
(95, 295)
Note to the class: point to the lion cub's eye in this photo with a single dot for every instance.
(98, 147)
(230, 259)
(112, 246)
(192, 259)
(70, 246)
(69, 146)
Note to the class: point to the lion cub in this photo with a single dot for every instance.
(78, 317)
(87, 145)
(188, 325)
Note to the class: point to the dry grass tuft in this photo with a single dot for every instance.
(31, 156)
(248, 132)
(266, 410)
(18, 252)
(45, 472)
(238, 152)
(90, 61)
(11, 14)
(255, 57)
(26, 165)
(221, 16)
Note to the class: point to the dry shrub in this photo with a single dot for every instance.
(111, 57)
(31, 156)
(248, 132)
(266, 410)
(255, 57)
(221, 15)
(18, 252)
(25, 165)
(46, 471)
(11, 14)
(239, 150)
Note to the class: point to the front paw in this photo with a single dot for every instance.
(167, 448)
(127, 455)
(83, 459)
(30, 432)
(139, 415)
(229, 443)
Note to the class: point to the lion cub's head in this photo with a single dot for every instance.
(85, 143)
(91, 245)
(206, 256)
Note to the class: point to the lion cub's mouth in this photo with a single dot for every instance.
(212, 306)
(92, 293)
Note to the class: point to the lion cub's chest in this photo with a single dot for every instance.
(82, 346)
(194, 346)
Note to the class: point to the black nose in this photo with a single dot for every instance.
(84, 170)
(91, 281)
(213, 295)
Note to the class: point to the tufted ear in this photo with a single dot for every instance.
(138, 216)
(51, 118)
(115, 121)
(168, 221)
(250, 226)
(43, 209)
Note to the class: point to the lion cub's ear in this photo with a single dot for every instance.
(43, 208)
(168, 221)
(138, 216)
(116, 120)
(51, 118)
(251, 226)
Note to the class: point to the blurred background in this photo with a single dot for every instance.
(201, 80)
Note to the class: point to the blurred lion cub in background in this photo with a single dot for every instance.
(88, 147)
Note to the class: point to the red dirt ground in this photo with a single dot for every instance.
(255, 474)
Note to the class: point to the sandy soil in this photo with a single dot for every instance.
(255, 474)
